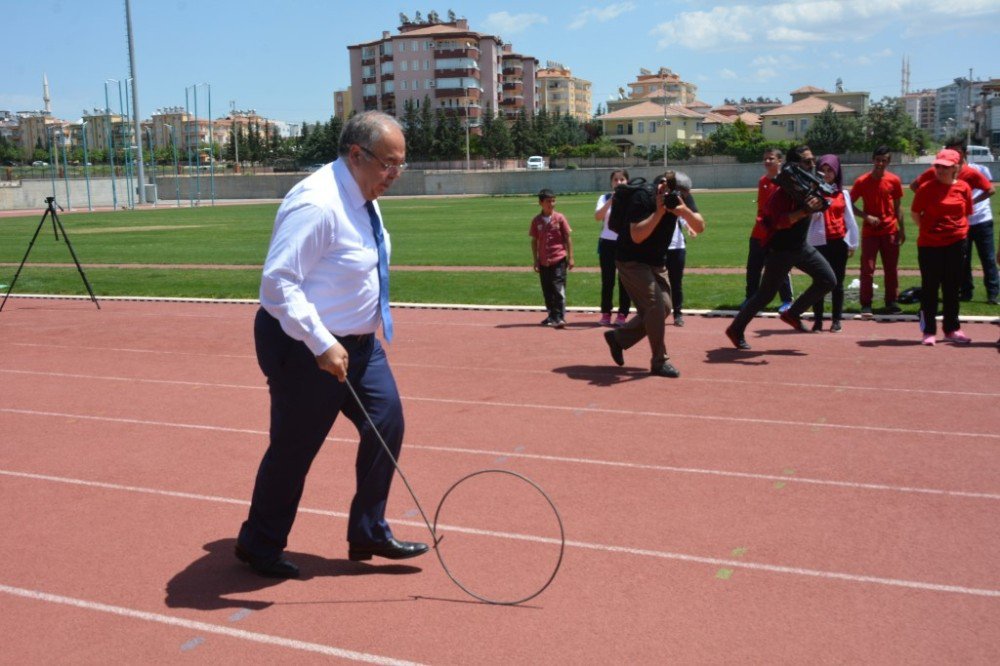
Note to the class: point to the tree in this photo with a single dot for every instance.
(886, 123)
(832, 132)
(520, 134)
(496, 142)
(449, 138)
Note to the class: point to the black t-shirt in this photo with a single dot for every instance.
(653, 250)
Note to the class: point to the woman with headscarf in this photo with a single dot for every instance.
(941, 208)
(834, 234)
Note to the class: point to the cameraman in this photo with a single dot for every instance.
(787, 222)
(641, 262)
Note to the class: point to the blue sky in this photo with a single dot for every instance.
(285, 59)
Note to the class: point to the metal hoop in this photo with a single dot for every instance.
(562, 538)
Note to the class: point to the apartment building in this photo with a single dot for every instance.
(792, 121)
(561, 93)
(650, 125)
(460, 71)
(921, 107)
(663, 87)
(343, 104)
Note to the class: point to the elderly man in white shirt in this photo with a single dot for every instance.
(323, 295)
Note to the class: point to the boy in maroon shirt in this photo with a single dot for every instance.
(880, 193)
(552, 251)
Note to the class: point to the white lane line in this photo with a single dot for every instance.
(267, 639)
(621, 550)
(565, 408)
(480, 369)
(558, 459)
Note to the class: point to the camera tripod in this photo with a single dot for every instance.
(56, 228)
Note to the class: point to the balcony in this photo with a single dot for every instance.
(440, 93)
(517, 70)
(455, 73)
(470, 52)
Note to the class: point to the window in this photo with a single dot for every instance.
(652, 126)
(404, 66)
(641, 127)
(388, 87)
(416, 65)
(803, 124)
(791, 126)
(620, 129)
(402, 85)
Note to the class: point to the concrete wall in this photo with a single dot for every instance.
(30, 194)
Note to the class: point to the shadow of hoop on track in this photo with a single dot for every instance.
(206, 583)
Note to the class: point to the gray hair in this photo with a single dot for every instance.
(683, 181)
(365, 129)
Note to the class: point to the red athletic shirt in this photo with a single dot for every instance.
(765, 188)
(833, 218)
(942, 211)
(878, 197)
(974, 178)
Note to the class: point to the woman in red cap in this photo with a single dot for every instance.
(941, 209)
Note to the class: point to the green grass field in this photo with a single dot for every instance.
(477, 231)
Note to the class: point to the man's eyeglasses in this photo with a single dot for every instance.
(388, 168)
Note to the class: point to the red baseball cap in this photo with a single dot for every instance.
(947, 158)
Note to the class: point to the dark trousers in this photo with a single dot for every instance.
(835, 253)
(675, 273)
(755, 265)
(606, 253)
(648, 288)
(777, 263)
(981, 236)
(305, 402)
(940, 269)
(553, 280)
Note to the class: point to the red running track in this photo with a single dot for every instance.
(830, 498)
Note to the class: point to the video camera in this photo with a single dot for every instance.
(800, 184)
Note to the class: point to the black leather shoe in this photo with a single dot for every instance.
(276, 568)
(738, 340)
(617, 353)
(792, 320)
(391, 550)
(665, 370)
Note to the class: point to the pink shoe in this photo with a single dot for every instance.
(605, 320)
(928, 340)
(958, 337)
(620, 320)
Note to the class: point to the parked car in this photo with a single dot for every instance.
(39, 163)
(979, 154)
(536, 162)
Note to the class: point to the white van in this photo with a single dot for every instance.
(536, 162)
(979, 154)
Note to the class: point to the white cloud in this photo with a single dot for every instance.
(791, 25)
(765, 74)
(727, 73)
(601, 14)
(505, 23)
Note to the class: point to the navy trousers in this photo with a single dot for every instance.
(305, 402)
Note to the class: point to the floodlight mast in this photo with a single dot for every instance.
(135, 99)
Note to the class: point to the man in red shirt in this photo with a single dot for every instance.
(879, 193)
(758, 236)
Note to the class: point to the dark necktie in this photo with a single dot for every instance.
(383, 271)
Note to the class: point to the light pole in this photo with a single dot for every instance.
(62, 140)
(177, 169)
(86, 163)
(468, 120)
(53, 157)
(152, 162)
(236, 136)
(135, 99)
(111, 143)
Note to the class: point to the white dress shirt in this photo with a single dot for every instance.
(982, 211)
(321, 273)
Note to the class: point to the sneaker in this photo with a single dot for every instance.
(678, 319)
(736, 338)
(792, 320)
(892, 309)
(866, 313)
(605, 320)
(928, 340)
(617, 353)
(958, 337)
(835, 327)
(784, 306)
(993, 300)
(559, 323)
(620, 320)
(665, 370)
(547, 321)
(817, 326)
